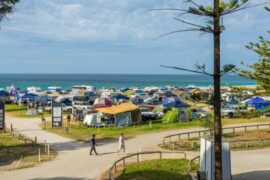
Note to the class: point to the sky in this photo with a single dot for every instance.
(117, 37)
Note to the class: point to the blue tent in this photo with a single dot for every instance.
(90, 94)
(169, 94)
(258, 103)
(29, 96)
(172, 102)
(119, 96)
(233, 101)
(124, 89)
(138, 91)
(3, 93)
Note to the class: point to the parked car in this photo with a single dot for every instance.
(200, 113)
(149, 115)
(233, 111)
(65, 108)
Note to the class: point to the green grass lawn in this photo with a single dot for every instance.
(82, 133)
(165, 169)
(20, 111)
(28, 155)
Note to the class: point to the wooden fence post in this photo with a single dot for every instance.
(11, 128)
(39, 159)
(45, 146)
(160, 155)
(48, 149)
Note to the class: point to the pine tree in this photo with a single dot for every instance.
(6, 7)
(214, 26)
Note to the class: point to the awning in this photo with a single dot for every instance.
(125, 107)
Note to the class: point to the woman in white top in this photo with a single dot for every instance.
(121, 144)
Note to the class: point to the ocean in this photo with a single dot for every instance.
(66, 81)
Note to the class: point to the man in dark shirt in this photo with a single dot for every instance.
(93, 144)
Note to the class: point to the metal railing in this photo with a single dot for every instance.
(201, 132)
(190, 163)
(123, 160)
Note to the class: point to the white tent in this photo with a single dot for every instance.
(91, 119)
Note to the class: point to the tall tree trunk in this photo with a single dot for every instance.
(217, 101)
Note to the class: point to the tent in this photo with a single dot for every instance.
(124, 89)
(177, 114)
(103, 102)
(124, 114)
(91, 119)
(233, 101)
(3, 93)
(29, 96)
(172, 102)
(13, 90)
(138, 91)
(258, 103)
(169, 94)
(119, 96)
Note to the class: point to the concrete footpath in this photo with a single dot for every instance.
(73, 160)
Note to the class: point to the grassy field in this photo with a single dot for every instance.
(79, 132)
(82, 133)
(15, 110)
(165, 169)
(29, 157)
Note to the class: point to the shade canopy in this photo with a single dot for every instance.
(122, 108)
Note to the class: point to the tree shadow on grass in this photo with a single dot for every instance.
(152, 175)
(259, 175)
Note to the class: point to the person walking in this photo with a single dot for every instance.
(68, 120)
(121, 144)
(93, 144)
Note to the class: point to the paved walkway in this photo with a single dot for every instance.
(74, 162)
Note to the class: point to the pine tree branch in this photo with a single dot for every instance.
(178, 31)
(188, 70)
(193, 2)
(243, 8)
(189, 23)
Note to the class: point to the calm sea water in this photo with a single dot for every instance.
(66, 81)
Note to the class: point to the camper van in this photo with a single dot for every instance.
(83, 88)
